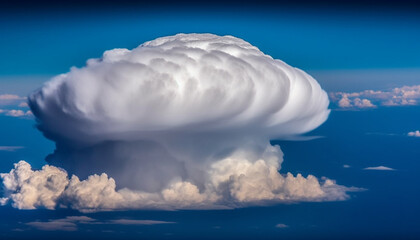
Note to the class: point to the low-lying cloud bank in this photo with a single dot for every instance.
(233, 182)
(403, 96)
(180, 122)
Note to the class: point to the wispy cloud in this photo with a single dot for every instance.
(54, 226)
(137, 222)
(380, 168)
(10, 148)
(10, 97)
(64, 224)
(71, 223)
(400, 96)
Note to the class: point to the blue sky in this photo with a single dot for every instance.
(346, 50)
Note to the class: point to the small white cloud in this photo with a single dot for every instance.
(380, 168)
(345, 102)
(15, 113)
(138, 222)
(281, 225)
(23, 104)
(10, 148)
(346, 166)
(414, 134)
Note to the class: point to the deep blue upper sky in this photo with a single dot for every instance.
(49, 42)
(35, 45)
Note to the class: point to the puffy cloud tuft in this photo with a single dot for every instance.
(31, 189)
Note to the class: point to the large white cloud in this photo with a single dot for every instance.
(179, 122)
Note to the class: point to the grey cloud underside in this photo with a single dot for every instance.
(179, 122)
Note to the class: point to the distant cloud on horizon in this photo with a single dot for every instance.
(17, 113)
(400, 96)
(9, 97)
(281, 225)
(10, 106)
(414, 134)
(71, 223)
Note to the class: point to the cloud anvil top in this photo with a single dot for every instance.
(186, 82)
(179, 122)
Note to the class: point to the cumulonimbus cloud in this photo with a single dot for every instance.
(178, 122)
